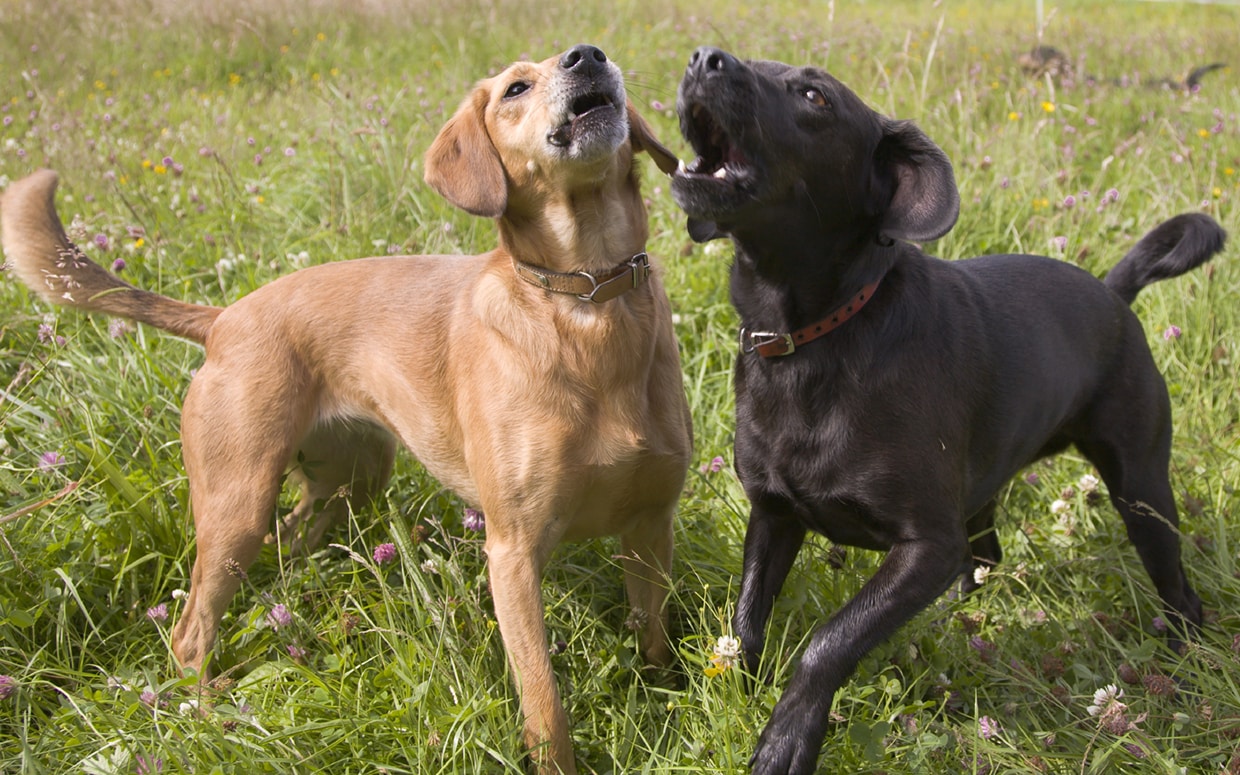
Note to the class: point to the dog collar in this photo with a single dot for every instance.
(585, 286)
(770, 344)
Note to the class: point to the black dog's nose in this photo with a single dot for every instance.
(706, 59)
(583, 58)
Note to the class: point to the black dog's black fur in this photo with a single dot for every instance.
(896, 430)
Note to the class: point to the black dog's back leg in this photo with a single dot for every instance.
(912, 575)
(772, 541)
(983, 546)
(1130, 443)
(1141, 493)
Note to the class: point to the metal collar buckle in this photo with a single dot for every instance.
(635, 270)
(769, 342)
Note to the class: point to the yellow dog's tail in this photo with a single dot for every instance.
(42, 256)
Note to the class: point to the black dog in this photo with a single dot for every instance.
(884, 397)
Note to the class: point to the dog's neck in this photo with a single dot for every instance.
(782, 283)
(590, 229)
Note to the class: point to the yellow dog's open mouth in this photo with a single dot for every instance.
(583, 113)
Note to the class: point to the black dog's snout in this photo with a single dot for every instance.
(585, 59)
(706, 59)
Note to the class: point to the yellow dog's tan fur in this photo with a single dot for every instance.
(560, 418)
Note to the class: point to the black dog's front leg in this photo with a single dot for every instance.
(913, 574)
(772, 541)
(984, 545)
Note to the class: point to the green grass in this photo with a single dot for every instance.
(401, 668)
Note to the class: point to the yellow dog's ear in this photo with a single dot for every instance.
(463, 165)
(643, 139)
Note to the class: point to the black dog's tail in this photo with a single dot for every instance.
(1172, 248)
(1194, 78)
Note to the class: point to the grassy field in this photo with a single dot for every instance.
(204, 152)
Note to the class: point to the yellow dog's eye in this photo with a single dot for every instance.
(520, 87)
(816, 97)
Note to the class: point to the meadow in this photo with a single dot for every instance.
(205, 149)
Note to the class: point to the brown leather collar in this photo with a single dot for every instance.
(770, 344)
(585, 286)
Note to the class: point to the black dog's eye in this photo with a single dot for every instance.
(520, 87)
(816, 97)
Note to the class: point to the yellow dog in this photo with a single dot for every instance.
(540, 381)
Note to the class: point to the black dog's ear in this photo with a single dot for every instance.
(925, 203)
(703, 231)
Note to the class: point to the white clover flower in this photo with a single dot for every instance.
(1059, 506)
(1087, 484)
(727, 651)
(727, 647)
(1105, 698)
(980, 574)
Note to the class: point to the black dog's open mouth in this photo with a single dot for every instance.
(583, 110)
(718, 157)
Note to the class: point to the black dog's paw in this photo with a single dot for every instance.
(783, 752)
(790, 743)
